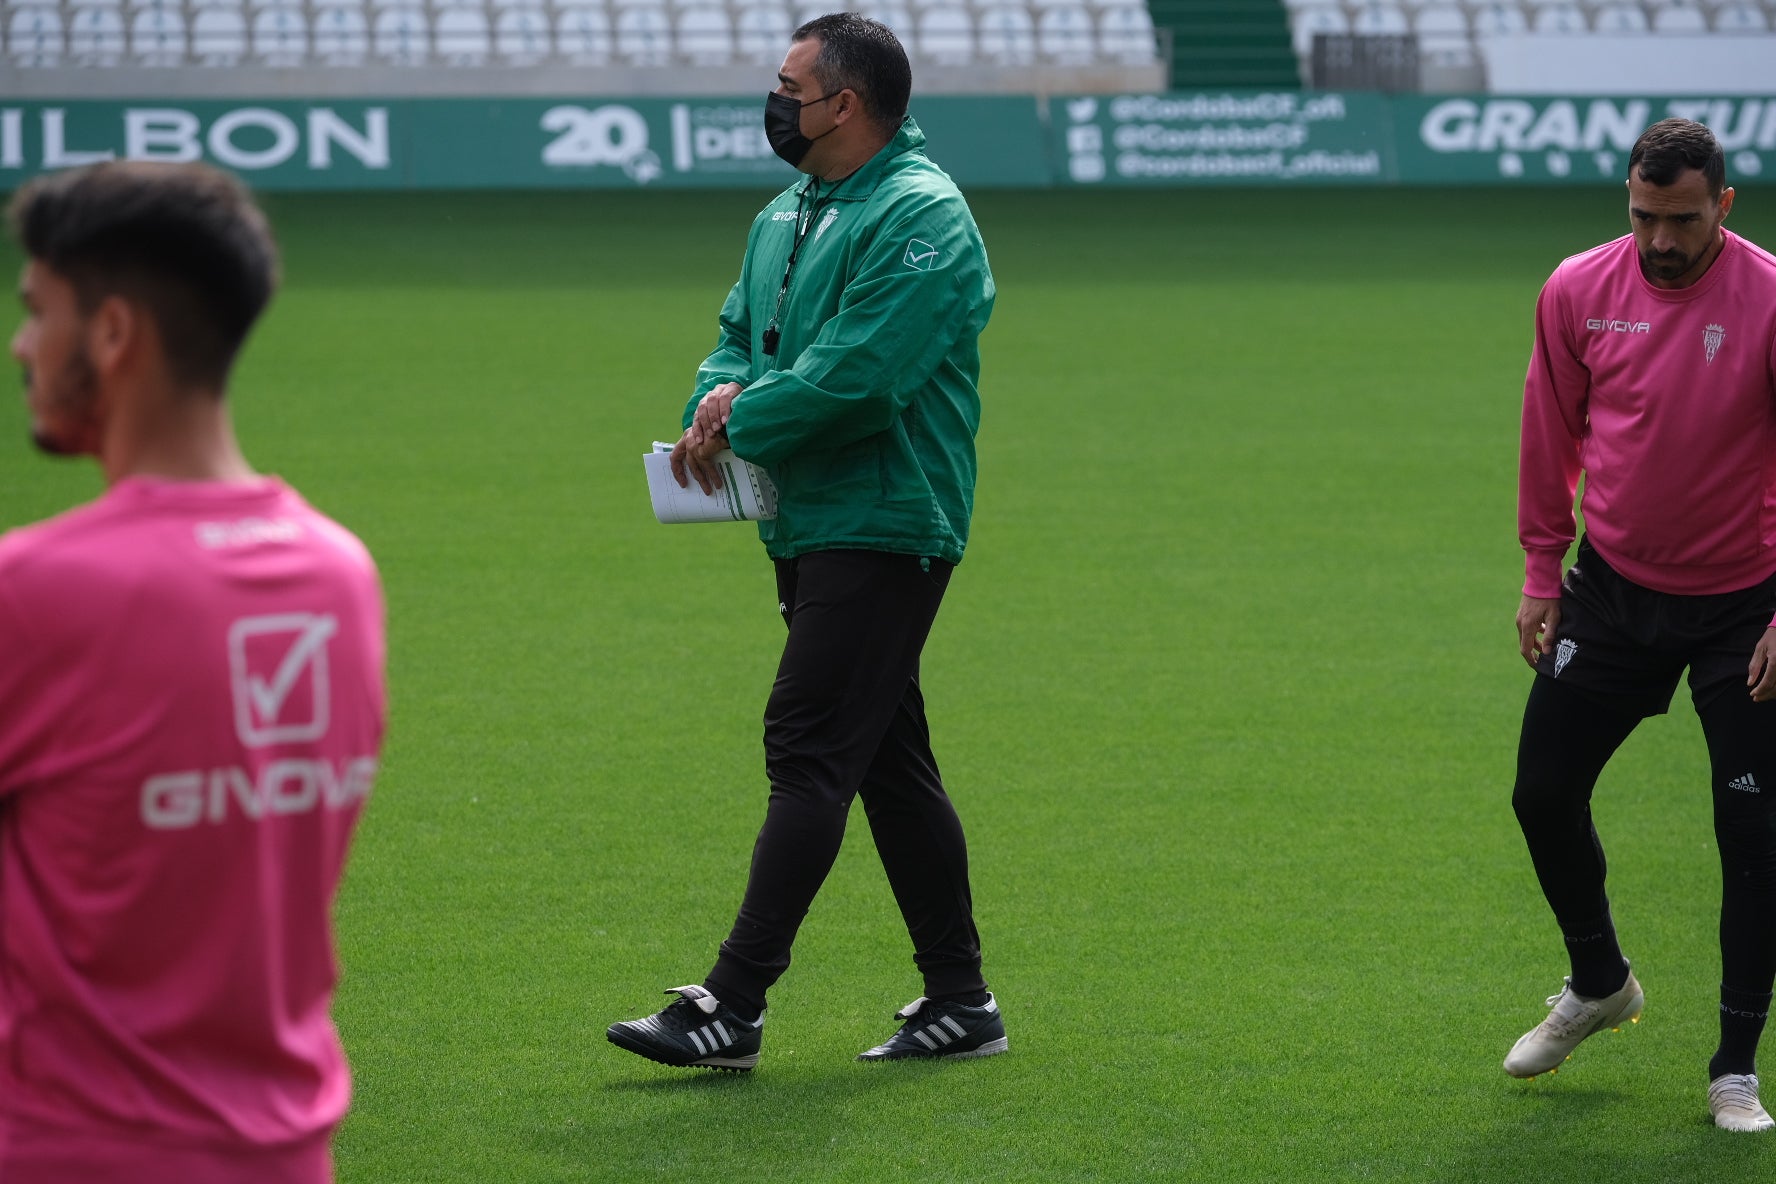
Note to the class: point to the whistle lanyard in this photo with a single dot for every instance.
(774, 335)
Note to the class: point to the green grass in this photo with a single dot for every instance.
(1226, 692)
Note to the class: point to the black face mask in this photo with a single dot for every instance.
(783, 126)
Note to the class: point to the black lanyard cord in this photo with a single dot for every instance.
(773, 335)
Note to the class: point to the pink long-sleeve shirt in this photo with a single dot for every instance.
(1666, 399)
(191, 707)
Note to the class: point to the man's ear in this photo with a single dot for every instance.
(114, 331)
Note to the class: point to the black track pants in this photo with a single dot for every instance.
(846, 718)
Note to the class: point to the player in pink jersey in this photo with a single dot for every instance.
(191, 706)
(1654, 374)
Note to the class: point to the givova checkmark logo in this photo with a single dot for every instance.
(921, 255)
(278, 668)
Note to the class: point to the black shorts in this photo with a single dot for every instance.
(1626, 645)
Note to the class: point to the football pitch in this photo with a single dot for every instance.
(1226, 692)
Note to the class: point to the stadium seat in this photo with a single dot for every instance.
(341, 36)
(1125, 35)
(1310, 22)
(583, 36)
(946, 35)
(761, 33)
(521, 36)
(95, 36)
(893, 13)
(218, 37)
(1559, 18)
(1064, 36)
(1442, 31)
(1007, 35)
(157, 38)
(280, 37)
(644, 36)
(399, 37)
(705, 36)
(34, 38)
(1740, 17)
(1496, 19)
(460, 36)
(1619, 18)
(1673, 18)
(1380, 20)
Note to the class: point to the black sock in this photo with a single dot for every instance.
(966, 998)
(1742, 1015)
(1598, 968)
(748, 1010)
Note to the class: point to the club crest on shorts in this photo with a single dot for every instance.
(1711, 339)
(1563, 653)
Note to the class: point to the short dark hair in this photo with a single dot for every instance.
(183, 240)
(1673, 146)
(862, 55)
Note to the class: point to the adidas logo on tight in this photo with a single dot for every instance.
(1746, 784)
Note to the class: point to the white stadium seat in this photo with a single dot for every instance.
(1740, 17)
(896, 15)
(761, 33)
(521, 36)
(399, 37)
(1064, 36)
(34, 37)
(218, 37)
(1007, 35)
(946, 35)
(1310, 22)
(705, 36)
(280, 37)
(460, 37)
(1673, 18)
(1619, 18)
(1125, 36)
(157, 38)
(95, 36)
(644, 36)
(1497, 18)
(583, 36)
(1381, 20)
(1559, 18)
(341, 36)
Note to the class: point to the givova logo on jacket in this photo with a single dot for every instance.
(921, 255)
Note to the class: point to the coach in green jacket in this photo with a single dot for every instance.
(847, 366)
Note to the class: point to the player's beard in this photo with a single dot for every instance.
(73, 395)
(1666, 265)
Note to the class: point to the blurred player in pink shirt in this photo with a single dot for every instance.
(1653, 374)
(191, 706)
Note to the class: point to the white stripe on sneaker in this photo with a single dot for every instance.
(954, 1026)
(697, 1039)
(942, 1036)
(927, 1041)
(726, 1038)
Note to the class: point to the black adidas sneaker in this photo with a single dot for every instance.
(935, 1030)
(697, 1031)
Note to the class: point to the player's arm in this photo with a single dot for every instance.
(898, 318)
(1556, 392)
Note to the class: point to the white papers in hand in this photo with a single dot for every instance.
(746, 495)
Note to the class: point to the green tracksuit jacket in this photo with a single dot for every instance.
(865, 418)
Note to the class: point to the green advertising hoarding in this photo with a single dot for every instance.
(1175, 140)
(489, 143)
(1275, 138)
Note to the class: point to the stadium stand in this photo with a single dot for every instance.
(469, 34)
(1452, 34)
